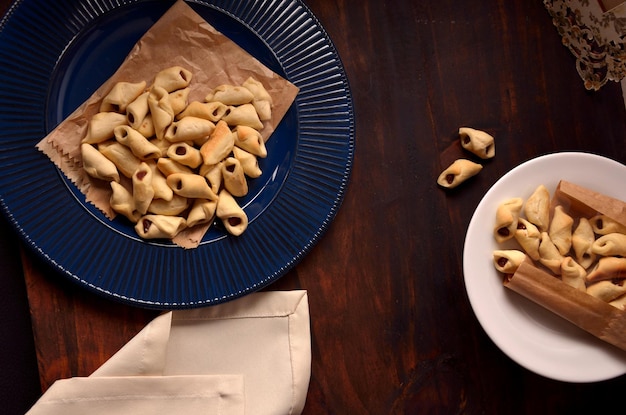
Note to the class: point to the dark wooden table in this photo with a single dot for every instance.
(392, 328)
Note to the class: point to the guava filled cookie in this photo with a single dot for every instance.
(477, 142)
(458, 172)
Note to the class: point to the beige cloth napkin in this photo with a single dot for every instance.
(248, 356)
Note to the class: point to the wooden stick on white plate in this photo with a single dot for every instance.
(587, 312)
(588, 202)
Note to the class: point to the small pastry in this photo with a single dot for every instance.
(607, 291)
(173, 78)
(248, 161)
(189, 129)
(101, 126)
(122, 202)
(162, 144)
(137, 111)
(143, 192)
(262, 100)
(230, 95)
(146, 127)
(560, 230)
(257, 89)
(264, 109)
(124, 159)
(477, 142)
(582, 240)
(243, 115)
(179, 100)
(213, 175)
(458, 172)
(529, 237)
(159, 183)
(573, 274)
(537, 208)
(160, 109)
(121, 95)
(219, 145)
(507, 215)
(212, 111)
(231, 214)
(234, 178)
(249, 139)
(138, 144)
(97, 165)
(168, 166)
(185, 154)
(612, 244)
(202, 211)
(175, 206)
(608, 268)
(549, 254)
(508, 260)
(603, 225)
(159, 226)
(192, 186)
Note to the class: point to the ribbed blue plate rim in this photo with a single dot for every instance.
(59, 229)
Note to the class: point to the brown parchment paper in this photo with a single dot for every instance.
(587, 312)
(588, 203)
(179, 37)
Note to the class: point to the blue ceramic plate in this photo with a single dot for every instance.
(54, 55)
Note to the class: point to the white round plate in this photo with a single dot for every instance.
(529, 334)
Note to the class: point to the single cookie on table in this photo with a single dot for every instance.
(477, 142)
(458, 172)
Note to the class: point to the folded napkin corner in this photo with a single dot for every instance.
(251, 355)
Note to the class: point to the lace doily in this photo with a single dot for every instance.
(595, 35)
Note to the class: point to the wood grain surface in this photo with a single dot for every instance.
(392, 328)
